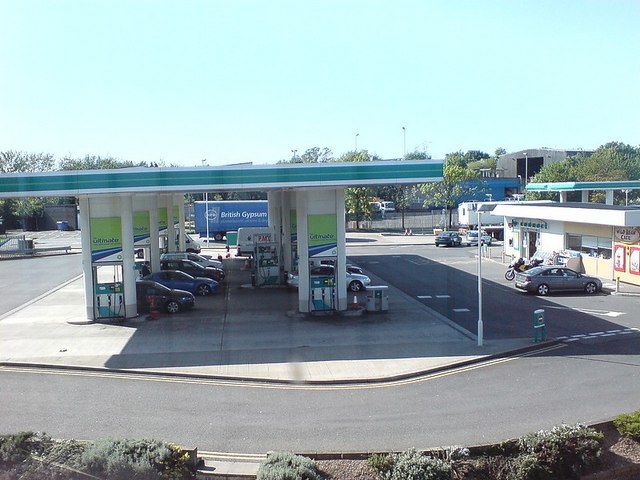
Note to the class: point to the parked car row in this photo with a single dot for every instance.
(182, 276)
(455, 239)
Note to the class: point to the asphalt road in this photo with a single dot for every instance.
(445, 280)
(587, 380)
(23, 279)
(574, 383)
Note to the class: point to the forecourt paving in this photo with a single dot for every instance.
(252, 334)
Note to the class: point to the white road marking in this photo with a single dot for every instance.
(590, 311)
(443, 296)
(608, 333)
(461, 310)
(414, 262)
(424, 296)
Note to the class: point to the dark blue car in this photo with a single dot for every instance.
(183, 281)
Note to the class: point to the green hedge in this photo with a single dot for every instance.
(628, 424)
(287, 466)
(564, 452)
(31, 456)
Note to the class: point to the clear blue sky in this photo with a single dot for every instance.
(236, 81)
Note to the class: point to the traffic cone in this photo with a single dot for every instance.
(355, 304)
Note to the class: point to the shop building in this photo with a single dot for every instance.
(605, 237)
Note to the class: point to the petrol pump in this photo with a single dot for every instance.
(266, 261)
(108, 290)
(322, 288)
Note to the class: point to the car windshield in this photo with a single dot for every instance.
(536, 270)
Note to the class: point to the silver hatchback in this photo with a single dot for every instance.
(548, 279)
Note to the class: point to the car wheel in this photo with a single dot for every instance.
(203, 290)
(543, 289)
(217, 237)
(355, 286)
(591, 288)
(172, 306)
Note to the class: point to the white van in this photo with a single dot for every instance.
(191, 245)
(387, 206)
(247, 239)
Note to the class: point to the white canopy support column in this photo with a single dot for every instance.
(609, 197)
(585, 196)
(343, 301)
(167, 203)
(87, 270)
(178, 201)
(154, 234)
(303, 250)
(128, 257)
(275, 220)
(288, 209)
(326, 208)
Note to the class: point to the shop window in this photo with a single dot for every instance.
(590, 245)
(574, 242)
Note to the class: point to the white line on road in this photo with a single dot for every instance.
(443, 296)
(461, 310)
(424, 296)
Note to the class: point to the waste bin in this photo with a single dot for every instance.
(377, 298)
(63, 225)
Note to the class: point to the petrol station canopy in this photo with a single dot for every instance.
(244, 177)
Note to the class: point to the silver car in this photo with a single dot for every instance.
(548, 279)
(472, 238)
(355, 281)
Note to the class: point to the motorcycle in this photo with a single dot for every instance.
(520, 265)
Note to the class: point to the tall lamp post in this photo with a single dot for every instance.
(404, 140)
(626, 196)
(526, 169)
(357, 134)
(481, 208)
(206, 213)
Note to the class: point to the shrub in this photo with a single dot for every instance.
(17, 448)
(566, 450)
(526, 467)
(414, 465)
(135, 460)
(287, 466)
(628, 424)
(381, 463)
(60, 461)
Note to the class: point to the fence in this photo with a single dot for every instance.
(418, 222)
(14, 246)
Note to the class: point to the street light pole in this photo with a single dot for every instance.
(526, 169)
(480, 324)
(357, 142)
(404, 138)
(294, 154)
(206, 213)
